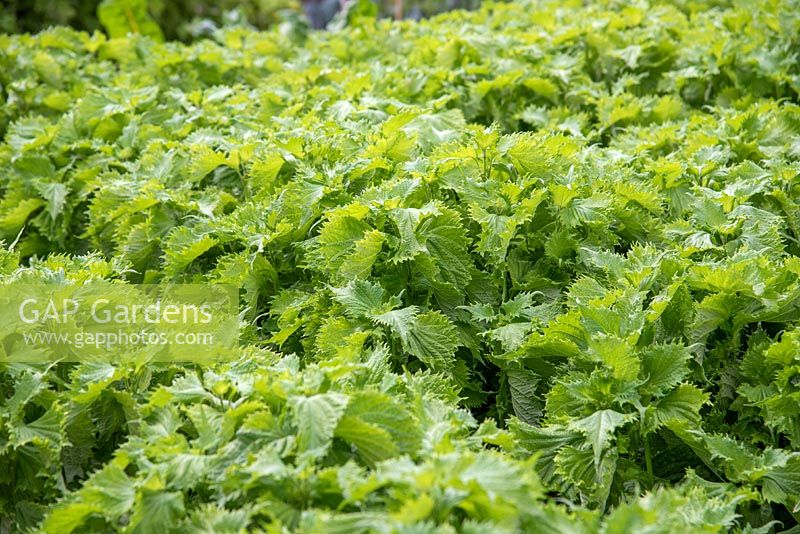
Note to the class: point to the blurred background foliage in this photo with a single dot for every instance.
(189, 19)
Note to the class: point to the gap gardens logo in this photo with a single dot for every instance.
(118, 322)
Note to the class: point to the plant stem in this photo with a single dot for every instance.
(648, 460)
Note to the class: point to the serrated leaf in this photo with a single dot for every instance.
(360, 298)
(433, 340)
(372, 442)
(782, 484)
(583, 469)
(381, 410)
(617, 354)
(446, 243)
(47, 428)
(156, 510)
(681, 404)
(182, 247)
(599, 429)
(358, 264)
(316, 418)
(663, 367)
(111, 491)
(401, 321)
(528, 407)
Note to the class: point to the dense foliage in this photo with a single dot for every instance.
(532, 268)
(176, 19)
(190, 19)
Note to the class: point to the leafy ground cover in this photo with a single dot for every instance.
(533, 268)
(174, 19)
